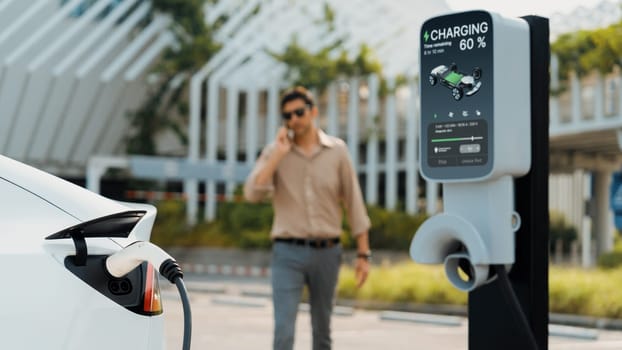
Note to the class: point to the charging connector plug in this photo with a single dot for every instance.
(125, 260)
(122, 262)
(171, 270)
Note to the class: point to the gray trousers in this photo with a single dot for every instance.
(293, 266)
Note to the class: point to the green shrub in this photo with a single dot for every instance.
(571, 290)
(254, 240)
(612, 259)
(247, 225)
(169, 223)
(586, 292)
(407, 282)
(236, 217)
(560, 229)
(392, 230)
(170, 229)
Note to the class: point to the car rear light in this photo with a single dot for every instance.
(152, 302)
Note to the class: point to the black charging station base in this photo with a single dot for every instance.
(492, 324)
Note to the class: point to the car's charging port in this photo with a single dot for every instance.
(125, 260)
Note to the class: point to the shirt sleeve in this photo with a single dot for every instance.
(253, 192)
(353, 197)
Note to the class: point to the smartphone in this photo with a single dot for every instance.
(290, 132)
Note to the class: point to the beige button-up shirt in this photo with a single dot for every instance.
(308, 190)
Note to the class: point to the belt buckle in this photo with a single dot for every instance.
(316, 243)
(330, 243)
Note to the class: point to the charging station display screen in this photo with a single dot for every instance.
(457, 96)
(458, 143)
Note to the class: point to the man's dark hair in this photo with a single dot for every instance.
(295, 93)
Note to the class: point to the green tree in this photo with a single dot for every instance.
(317, 70)
(588, 50)
(166, 107)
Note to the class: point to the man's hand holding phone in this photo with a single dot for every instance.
(282, 146)
(283, 142)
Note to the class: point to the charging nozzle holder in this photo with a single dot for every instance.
(474, 231)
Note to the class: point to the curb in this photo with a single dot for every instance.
(586, 321)
(450, 310)
(241, 301)
(441, 320)
(226, 270)
(573, 332)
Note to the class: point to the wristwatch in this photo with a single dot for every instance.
(364, 255)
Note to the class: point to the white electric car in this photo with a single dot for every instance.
(56, 292)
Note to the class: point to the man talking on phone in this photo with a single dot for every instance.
(311, 178)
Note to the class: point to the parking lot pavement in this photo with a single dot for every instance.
(226, 318)
(218, 324)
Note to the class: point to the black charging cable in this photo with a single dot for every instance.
(512, 300)
(171, 270)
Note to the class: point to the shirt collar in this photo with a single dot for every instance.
(325, 140)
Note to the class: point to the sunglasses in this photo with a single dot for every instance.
(299, 112)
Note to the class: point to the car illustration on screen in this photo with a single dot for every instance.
(460, 83)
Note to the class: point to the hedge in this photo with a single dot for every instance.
(247, 225)
(593, 292)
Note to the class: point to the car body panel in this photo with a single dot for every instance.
(59, 311)
(43, 304)
(142, 230)
(28, 215)
(76, 201)
(67, 198)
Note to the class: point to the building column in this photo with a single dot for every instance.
(431, 197)
(601, 216)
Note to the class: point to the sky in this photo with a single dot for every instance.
(516, 8)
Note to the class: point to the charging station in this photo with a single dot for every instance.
(484, 136)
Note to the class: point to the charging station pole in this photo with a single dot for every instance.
(492, 323)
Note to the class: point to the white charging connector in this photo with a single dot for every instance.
(122, 262)
(125, 260)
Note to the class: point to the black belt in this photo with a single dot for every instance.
(313, 243)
